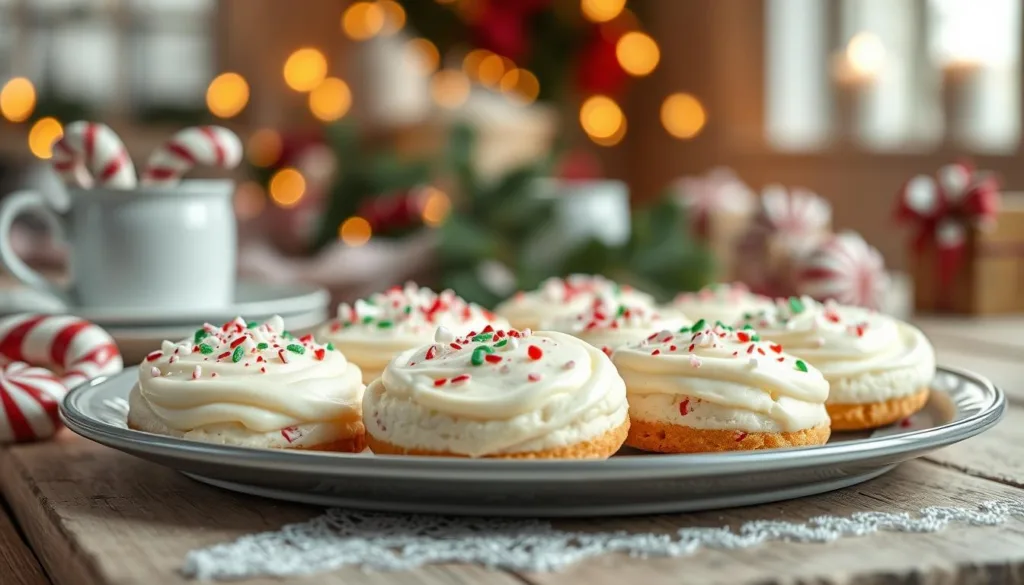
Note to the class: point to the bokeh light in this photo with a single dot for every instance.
(471, 62)
(491, 68)
(427, 54)
(521, 84)
(43, 134)
(601, 10)
(17, 99)
(682, 115)
(637, 53)
(449, 88)
(287, 187)
(305, 69)
(227, 95)
(601, 117)
(615, 138)
(330, 100)
(436, 206)
(264, 147)
(250, 200)
(865, 53)
(355, 231)
(363, 20)
(394, 16)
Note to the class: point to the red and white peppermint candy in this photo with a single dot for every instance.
(89, 153)
(796, 211)
(719, 189)
(846, 269)
(29, 397)
(213, 146)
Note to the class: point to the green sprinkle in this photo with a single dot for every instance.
(796, 305)
(201, 334)
(622, 310)
(296, 348)
(408, 309)
(755, 337)
(384, 324)
(800, 365)
(205, 349)
(748, 316)
(287, 335)
(477, 359)
(367, 320)
(698, 326)
(237, 355)
(501, 343)
(262, 346)
(252, 324)
(748, 327)
(482, 337)
(330, 346)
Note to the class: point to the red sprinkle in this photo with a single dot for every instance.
(154, 356)
(238, 341)
(492, 358)
(533, 377)
(335, 326)
(860, 331)
(259, 358)
(263, 370)
(320, 353)
(440, 381)
(224, 355)
(656, 352)
(740, 436)
(607, 351)
(671, 348)
(750, 348)
(760, 351)
(833, 317)
(534, 352)
(781, 359)
(775, 347)
(743, 336)
(690, 349)
(652, 336)
(905, 423)
(460, 378)
(431, 354)
(684, 407)
(488, 329)
(456, 345)
(306, 338)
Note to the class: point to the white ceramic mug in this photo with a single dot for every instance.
(171, 247)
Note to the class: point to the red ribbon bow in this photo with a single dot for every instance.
(942, 207)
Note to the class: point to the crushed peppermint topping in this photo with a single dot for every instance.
(412, 308)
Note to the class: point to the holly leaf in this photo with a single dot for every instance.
(461, 147)
(590, 257)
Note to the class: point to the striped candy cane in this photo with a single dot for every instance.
(214, 146)
(78, 349)
(89, 150)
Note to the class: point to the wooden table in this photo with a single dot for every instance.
(78, 513)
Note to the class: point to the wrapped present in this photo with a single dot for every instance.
(967, 249)
(789, 224)
(719, 206)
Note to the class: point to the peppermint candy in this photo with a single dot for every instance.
(846, 269)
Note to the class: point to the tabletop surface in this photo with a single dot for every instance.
(79, 513)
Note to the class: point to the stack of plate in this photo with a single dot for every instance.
(139, 331)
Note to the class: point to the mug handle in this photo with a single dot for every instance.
(12, 207)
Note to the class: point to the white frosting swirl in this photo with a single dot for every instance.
(608, 323)
(866, 356)
(373, 330)
(559, 297)
(254, 375)
(723, 302)
(733, 370)
(497, 392)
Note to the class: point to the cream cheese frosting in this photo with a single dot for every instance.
(725, 302)
(497, 392)
(738, 380)
(866, 356)
(608, 323)
(560, 297)
(247, 378)
(371, 331)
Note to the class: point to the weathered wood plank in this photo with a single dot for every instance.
(1005, 373)
(997, 454)
(18, 566)
(999, 334)
(98, 517)
(961, 554)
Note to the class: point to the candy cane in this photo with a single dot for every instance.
(844, 268)
(90, 148)
(80, 350)
(200, 145)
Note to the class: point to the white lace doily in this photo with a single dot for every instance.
(400, 542)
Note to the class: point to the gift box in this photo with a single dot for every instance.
(967, 251)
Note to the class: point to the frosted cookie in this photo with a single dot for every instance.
(725, 302)
(607, 324)
(558, 297)
(716, 389)
(372, 331)
(250, 385)
(878, 368)
(503, 394)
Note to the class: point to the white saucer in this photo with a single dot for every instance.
(253, 301)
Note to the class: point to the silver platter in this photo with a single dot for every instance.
(962, 405)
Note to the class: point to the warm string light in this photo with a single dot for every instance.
(305, 69)
(436, 206)
(637, 53)
(331, 100)
(426, 53)
(615, 138)
(520, 84)
(602, 119)
(227, 95)
(682, 115)
(355, 231)
(450, 88)
(287, 187)
(17, 99)
(394, 16)
(865, 54)
(43, 134)
(601, 10)
(264, 147)
(363, 20)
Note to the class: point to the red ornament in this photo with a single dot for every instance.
(598, 70)
(501, 29)
(393, 211)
